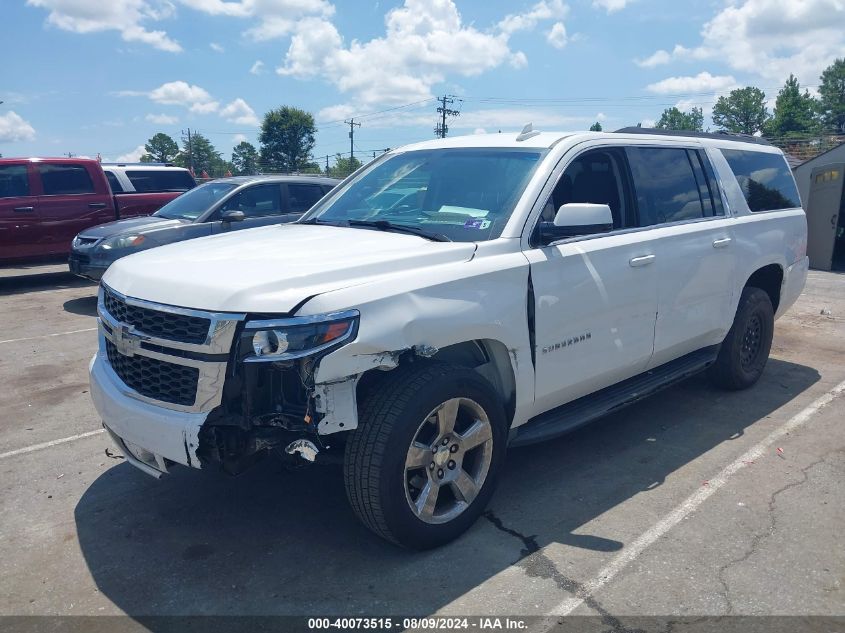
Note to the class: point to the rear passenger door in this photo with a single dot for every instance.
(19, 230)
(678, 198)
(69, 202)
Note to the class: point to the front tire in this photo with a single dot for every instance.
(424, 460)
(745, 350)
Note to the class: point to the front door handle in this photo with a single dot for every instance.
(24, 209)
(97, 205)
(721, 242)
(644, 260)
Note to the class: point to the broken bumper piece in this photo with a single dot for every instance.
(151, 437)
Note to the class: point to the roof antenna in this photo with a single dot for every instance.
(527, 132)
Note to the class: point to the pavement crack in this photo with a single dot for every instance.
(758, 538)
(537, 565)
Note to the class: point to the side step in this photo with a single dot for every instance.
(577, 413)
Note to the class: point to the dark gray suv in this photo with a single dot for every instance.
(226, 204)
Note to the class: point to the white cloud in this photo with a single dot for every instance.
(162, 119)
(276, 18)
(127, 17)
(238, 111)
(424, 41)
(237, 139)
(133, 156)
(217, 48)
(179, 93)
(557, 35)
(257, 68)
(658, 58)
(545, 10)
(772, 38)
(702, 82)
(13, 128)
(610, 6)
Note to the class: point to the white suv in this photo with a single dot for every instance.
(449, 300)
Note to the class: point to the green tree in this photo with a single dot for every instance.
(286, 138)
(343, 166)
(204, 156)
(244, 159)
(595, 127)
(743, 110)
(795, 112)
(832, 96)
(674, 119)
(160, 149)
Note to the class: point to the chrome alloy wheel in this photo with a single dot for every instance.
(448, 460)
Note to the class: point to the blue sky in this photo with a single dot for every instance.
(88, 76)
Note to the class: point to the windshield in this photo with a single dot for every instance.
(466, 195)
(192, 204)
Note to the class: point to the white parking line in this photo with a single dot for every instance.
(38, 447)
(32, 338)
(638, 546)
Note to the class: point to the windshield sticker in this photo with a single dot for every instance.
(477, 223)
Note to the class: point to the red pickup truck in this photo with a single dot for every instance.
(45, 202)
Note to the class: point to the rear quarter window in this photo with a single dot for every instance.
(157, 180)
(765, 179)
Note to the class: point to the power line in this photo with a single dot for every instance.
(352, 126)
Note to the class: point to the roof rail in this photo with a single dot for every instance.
(115, 164)
(724, 136)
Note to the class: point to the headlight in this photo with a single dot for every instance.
(123, 241)
(296, 337)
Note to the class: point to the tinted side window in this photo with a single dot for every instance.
(303, 197)
(665, 185)
(65, 179)
(152, 180)
(14, 181)
(765, 179)
(114, 183)
(257, 201)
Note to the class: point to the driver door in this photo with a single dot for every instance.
(261, 205)
(595, 296)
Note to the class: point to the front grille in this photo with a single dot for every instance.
(154, 378)
(166, 325)
(84, 241)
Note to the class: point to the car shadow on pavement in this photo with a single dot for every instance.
(84, 306)
(277, 542)
(19, 284)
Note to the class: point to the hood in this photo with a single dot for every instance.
(273, 269)
(129, 224)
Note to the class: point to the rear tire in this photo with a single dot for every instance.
(745, 350)
(425, 458)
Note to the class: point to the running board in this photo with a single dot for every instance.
(577, 413)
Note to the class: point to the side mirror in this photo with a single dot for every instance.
(233, 215)
(574, 219)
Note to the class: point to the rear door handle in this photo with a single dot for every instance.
(721, 242)
(644, 260)
(97, 205)
(24, 209)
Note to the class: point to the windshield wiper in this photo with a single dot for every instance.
(317, 221)
(384, 225)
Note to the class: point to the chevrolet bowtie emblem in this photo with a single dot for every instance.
(126, 341)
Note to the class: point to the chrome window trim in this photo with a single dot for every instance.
(633, 229)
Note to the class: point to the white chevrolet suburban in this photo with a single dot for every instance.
(451, 299)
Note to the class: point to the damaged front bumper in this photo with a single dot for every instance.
(151, 436)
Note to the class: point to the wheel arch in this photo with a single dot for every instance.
(489, 357)
(768, 278)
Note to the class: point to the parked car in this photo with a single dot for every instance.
(162, 182)
(537, 282)
(222, 205)
(44, 202)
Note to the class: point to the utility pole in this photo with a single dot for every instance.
(190, 149)
(445, 101)
(352, 124)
